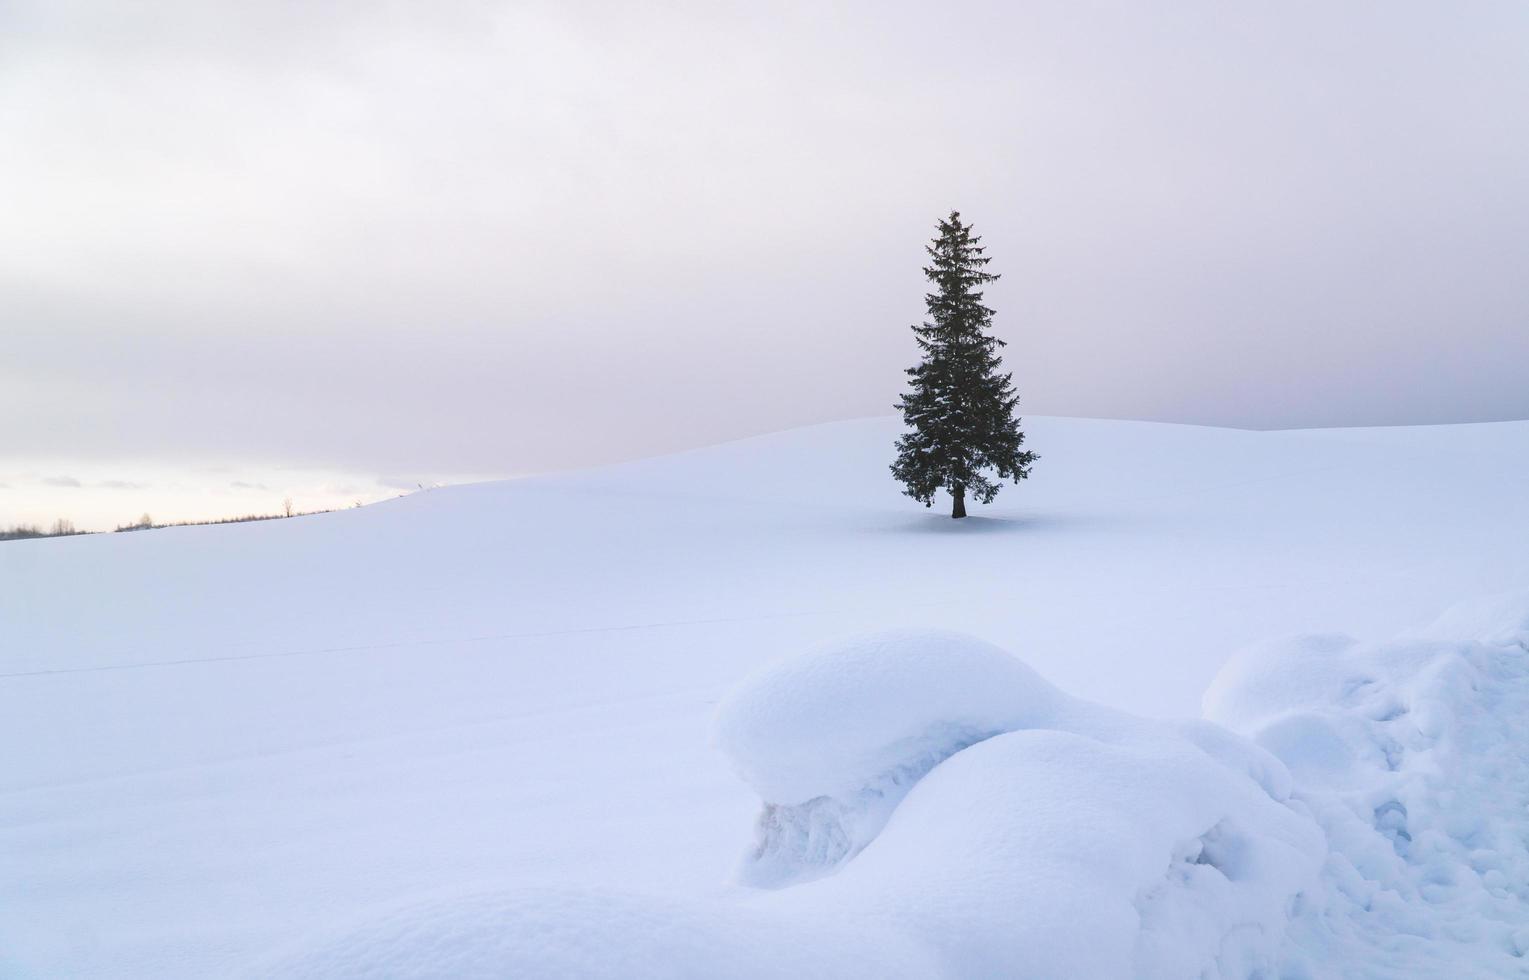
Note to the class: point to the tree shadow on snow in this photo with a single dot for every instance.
(982, 525)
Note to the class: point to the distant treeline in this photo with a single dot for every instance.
(64, 527)
(146, 523)
(61, 528)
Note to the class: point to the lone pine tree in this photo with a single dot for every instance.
(959, 409)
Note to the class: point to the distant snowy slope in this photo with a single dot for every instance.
(228, 736)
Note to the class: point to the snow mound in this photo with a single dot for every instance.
(1410, 756)
(1498, 620)
(1021, 826)
(833, 740)
(1049, 853)
(942, 812)
(939, 810)
(829, 722)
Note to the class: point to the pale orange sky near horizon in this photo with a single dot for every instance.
(100, 495)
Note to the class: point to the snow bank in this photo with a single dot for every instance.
(834, 739)
(937, 809)
(1411, 757)
(828, 722)
(1036, 829)
(1049, 853)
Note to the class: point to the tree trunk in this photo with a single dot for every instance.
(958, 501)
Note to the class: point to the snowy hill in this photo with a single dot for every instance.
(233, 744)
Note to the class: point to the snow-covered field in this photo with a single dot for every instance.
(531, 728)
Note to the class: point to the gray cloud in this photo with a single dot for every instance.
(60, 481)
(120, 485)
(242, 485)
(496, 237)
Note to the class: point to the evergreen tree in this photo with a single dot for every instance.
(959, 408)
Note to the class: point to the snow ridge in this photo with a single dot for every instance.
(795, 843)
(931, 807)
(1071, 838)
(1410, 756)
(834, 739)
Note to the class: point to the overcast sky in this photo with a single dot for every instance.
(507, 237)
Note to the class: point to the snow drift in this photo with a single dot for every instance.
(1023, 829)
(939, 809)
(833, 741)
(487, 688)
(1411, 756)
(932, 807)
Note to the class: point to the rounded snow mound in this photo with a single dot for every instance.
(1500, 620)
(938, 780)
(942, 811)
(1054, 853)
(833, 721)
(1356, 804)
(833, 740)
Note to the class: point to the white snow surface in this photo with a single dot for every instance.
(1134, 848)
(475, 732)
(1373, 825)
(1413, 756)
(832, 742)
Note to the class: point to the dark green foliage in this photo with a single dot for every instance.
(960, 408)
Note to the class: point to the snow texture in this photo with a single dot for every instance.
(832, 741)
(594, 933)
(1411, 757)
(1047, 836)
(467, 730)
(933, 808)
